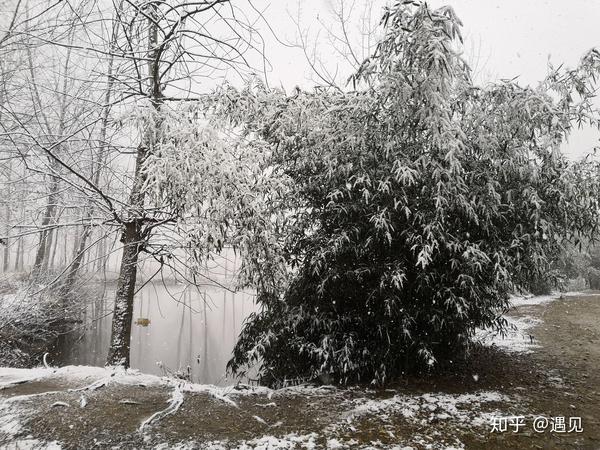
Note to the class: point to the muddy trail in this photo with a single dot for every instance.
(557, 378)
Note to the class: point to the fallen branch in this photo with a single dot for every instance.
(223, 398)
(175, 403)
(45, 359)
(61, 404)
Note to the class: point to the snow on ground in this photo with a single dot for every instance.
(518, 337)
(437, 413)
(93, 375)
(429, 407)
(454, 410)
(10, 376)
(33, 444)
(288, 442)
(99, 376)
(87, 377)
(533, 300)
(9, 423)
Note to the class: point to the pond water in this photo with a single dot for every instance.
(177, 328)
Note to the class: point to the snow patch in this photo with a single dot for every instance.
(287, 442)
(9, 422)
(34, 444)
(518, 337)
(464, 409)
(334, 444)
(10, 376)
(533, 300)
(290, 441)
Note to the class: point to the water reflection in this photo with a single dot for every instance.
(176, 328)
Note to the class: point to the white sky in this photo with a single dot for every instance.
(504, 39)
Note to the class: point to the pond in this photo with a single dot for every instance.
(177, 328)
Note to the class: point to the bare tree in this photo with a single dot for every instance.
(344, 37)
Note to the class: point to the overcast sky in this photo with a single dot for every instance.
(504, 39)
(515, 37)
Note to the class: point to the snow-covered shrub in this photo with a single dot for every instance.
(420, 202)
(31, 319)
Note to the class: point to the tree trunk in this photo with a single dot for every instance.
(205, 343)
(42, 251)
(53, 246)
(78, 254)
(103, 256)
(96, 264)
(51, 251)
(64, 253)
(118, 354)
(6, 261)
(19, 257)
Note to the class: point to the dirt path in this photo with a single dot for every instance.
(559, 378)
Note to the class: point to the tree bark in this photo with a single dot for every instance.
(123, 310)
(78, 253)
(19, 257)
(6, 261)
(42, 251)
(52, 243)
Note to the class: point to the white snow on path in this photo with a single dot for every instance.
(289, 442)
(533, 300)
(96, 377)
(32, 444)
(10, 376)
(464, 409)
(518, 337)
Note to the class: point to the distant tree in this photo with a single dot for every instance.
(418, 203)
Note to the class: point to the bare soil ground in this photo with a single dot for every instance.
(559, 378)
